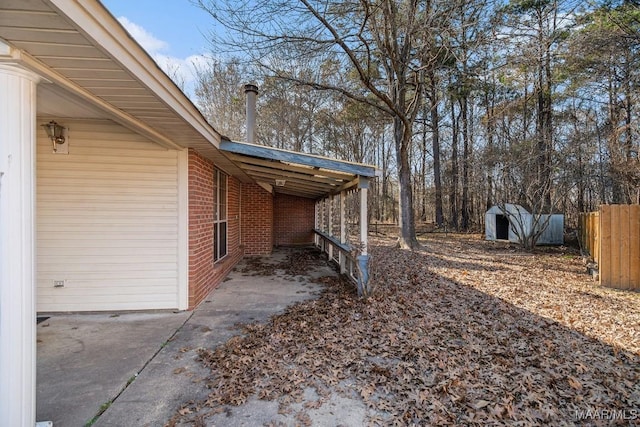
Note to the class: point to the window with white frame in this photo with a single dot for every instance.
(219, 215)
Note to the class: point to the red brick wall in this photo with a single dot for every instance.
(257, 220)
(294, 219)
(266, 220)
(204, 274)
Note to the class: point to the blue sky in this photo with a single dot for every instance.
(172, 31)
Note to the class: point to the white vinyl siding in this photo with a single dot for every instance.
(107, 221)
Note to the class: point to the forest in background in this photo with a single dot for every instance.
(464, 104)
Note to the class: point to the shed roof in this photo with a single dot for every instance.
(510, 208)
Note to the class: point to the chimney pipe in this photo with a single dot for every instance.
(251, 92)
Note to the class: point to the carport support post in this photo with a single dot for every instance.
(316, 239)
(17, 237)
(330, 231)
(343, 231)
(363, 258)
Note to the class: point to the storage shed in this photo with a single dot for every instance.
(510, 221)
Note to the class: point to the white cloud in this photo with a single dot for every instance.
(142, 36)
(181, 70)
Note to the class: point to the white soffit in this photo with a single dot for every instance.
(97, 70)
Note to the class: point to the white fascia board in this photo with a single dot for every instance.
(100, 27)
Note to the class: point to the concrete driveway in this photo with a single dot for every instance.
(141, 366)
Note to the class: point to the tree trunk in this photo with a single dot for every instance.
(453, 195)
(580, 172)
(465, 163)
(435, 127)
(423, 166)
(548, 128)
(490, 133)
(407, 233)
(628, 143)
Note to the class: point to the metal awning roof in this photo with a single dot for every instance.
(298, 174)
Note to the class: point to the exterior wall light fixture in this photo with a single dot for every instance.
(55, 132)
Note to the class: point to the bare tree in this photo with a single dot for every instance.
(603, 62)
(383, 48)
(513, 102)
(219, 94)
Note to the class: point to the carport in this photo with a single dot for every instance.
(329, 182)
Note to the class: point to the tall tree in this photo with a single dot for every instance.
(219, 95)
(288, 114)
(603, 62)
(531, 109)
(381, 45)
(433, 95)
(536, 22)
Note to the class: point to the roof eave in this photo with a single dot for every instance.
(295, 173)
(99, 26)
(271, 153)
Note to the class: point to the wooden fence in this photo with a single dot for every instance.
(589, 229)
(612, 237)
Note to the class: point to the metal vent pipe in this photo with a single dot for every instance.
(251, 92)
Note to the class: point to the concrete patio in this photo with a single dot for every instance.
(142, 366)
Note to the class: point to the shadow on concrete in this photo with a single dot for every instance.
(136, 369)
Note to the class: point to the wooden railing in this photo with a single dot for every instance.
(340, 253)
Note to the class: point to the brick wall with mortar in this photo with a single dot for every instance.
(263, 220)
(257, 220)
(294, 219)
(204, 274)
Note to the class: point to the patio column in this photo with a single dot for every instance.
(330, 230)
(343, 231)
(364, 229)
(17, 248)
(316, 222)
(363, 258)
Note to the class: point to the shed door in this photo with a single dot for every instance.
(502, 227)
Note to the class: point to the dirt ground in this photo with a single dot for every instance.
(461, 332)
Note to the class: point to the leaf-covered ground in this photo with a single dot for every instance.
(463, 332)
